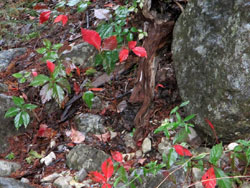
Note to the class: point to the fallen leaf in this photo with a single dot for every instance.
(62, 18)
(102, 14)
(103, 137)
(109, 43)
(117, 156)
(44, 16)
(95, 89)
(76, 136)
(91, 37)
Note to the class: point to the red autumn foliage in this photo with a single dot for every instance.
(77, 88)
(34, 73)
(117, 156)
(62, 18)
(206, 182)
(91, 37)
(123, 55)
(140, 51)
(109, 43)
(51, 66)
(44, 16)
(182, 151)
(131, 44)
(210, 124)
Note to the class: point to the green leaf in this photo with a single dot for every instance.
(82, 7)
(123, 174)
(88, 98)
(17, 75)
(18, 101)
(225, 182)
(184, 104)
(178, 117)
(10, 156)
(105, 30)
(26, 119)
(22, 80)
(57, 46)
(189, 117)
(90, 71)
(39, 80)
(132, 185)
(73, 2)
(30, 106)
(174, 110)
(130, 36)
(18, 121)
(181, 136)
(172, 156)
(133, 29)
(51, 56)
(47, 43)
(64, 83)
(98, 59)
(200, 156)
(27, 74)
(117, 180)
(215, 153)
(34, 154)
(11, 112)
(58, 94)
(41, 50)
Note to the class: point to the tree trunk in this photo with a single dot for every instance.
(158, 33)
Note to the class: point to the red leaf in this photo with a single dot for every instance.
(109, 43)
(51, 66)
(34, 73)
(123, 55)
(107, 168)
(182, 151)
(78, 71)
(44, 16)
(91, 37)
(210, 124)
(40, 6)
(42, 130)
(116, 156)
(209, 175)
(95, 89)
(106, 185)
(131, 44)
(97, 177)
(77, 88)
(62, 18)
(140, 51)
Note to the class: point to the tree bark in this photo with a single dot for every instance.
(158, 33)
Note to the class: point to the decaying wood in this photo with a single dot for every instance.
(158, 33)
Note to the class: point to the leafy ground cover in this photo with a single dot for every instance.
(52, 27)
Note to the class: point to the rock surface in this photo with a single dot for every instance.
(12, 183)
(89, 123)
(211, 56)
(7, 55)
(7, 167)
(7, 127)
(83, 156)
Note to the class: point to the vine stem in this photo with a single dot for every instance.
(178, 169)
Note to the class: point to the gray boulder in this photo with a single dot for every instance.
(7, 55)
(211, 55)
(12, 183)
(83, 156)
(7, 127)
(81, 54)
(6, 167)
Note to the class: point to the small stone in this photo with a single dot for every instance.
(50, 178)
(232, 145)
(129, 141)
(25, 180)
(63, 182)
(96, 103)
(164, 146)
(81, 175)
(48, 159)
(146, 145)
(197, 174)
(138, 153)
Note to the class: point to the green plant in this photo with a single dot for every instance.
(10, 156)
(22, 76)
(81, 5)
(169, 124)
(54, 86)
(32, 156)
(20, 112)
(49, 51)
